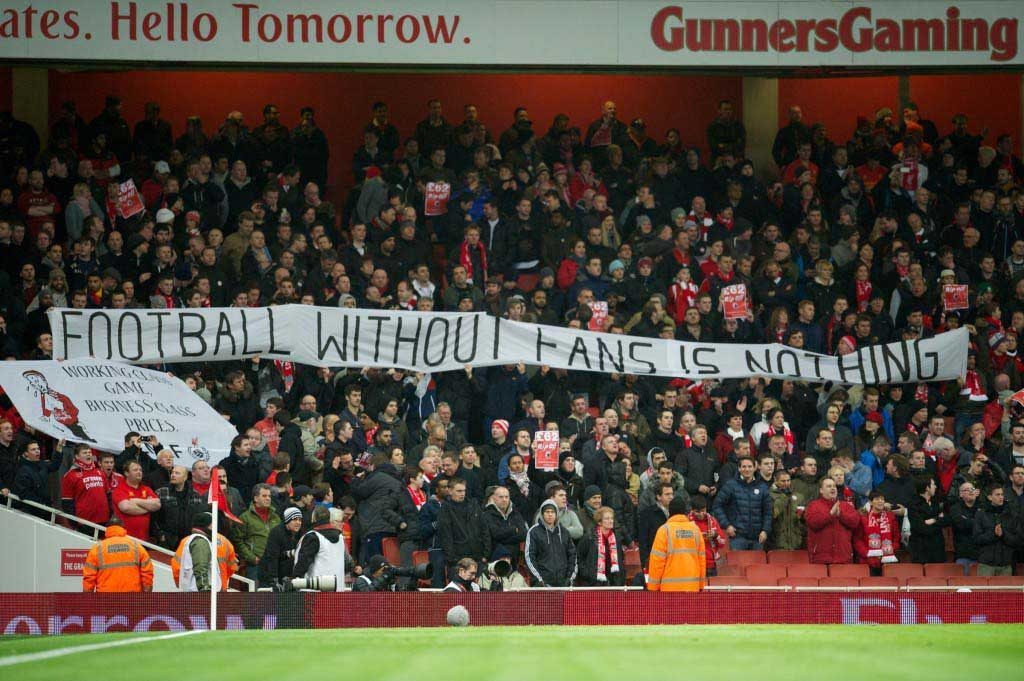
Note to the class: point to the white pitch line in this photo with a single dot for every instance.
(70, 650)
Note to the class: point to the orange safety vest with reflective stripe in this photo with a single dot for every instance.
(227, 561)
(677, 561)
(117, 564)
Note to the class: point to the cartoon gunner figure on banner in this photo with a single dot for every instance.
(56, 407)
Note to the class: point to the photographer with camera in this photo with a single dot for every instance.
(379, 575)
(321, 551)
(501, 576)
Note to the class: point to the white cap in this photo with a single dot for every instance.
(161, 167)
(164, 215)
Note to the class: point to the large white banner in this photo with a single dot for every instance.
(428, 342)
(98, 401)
(756, 33)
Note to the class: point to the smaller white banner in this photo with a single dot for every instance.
(97, 402)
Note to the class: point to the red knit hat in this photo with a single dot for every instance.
(849, 340)
(502, 425)
(372, 171)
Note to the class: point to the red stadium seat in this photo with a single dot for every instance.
(798, 581)
(839, 582)
(973, 569)
(849, 570)
(745, 557)
(903, 571)
(391, 552)
(767, 574)
(632, 560)
(788, 557)
(732, 571)
(728, 581)
(927, 581)
(814, 570)
(875, 582)
(968, 581)
(943, 570)
(1007, 581)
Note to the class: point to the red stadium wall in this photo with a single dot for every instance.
(71, 613)
(343, 100)
(989, 100)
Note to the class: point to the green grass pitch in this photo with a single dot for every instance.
(761, 652)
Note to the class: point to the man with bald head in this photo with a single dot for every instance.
(179, 502)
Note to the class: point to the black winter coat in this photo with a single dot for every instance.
(31, 480)
(992, 549)
(279, 555)
(697, 466)
(926, 542)
(173, 522)
(507, 532)
(243, 474)
(380, 501)
(550, 555)
(291, 444)
(462, 531)
(963, 519)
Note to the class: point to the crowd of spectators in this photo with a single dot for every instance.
(851, 245)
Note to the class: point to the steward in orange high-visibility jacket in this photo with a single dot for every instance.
(117, 564)
(677, 562)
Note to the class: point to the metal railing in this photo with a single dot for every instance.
(98, 531)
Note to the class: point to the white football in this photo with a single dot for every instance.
(458, 616)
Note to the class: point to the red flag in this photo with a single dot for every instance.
(216, 493)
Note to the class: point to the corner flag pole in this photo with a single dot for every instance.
(214, 569)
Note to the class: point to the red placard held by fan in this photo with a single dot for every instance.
(598, 315)
(734, 301)
(954, 297)
(545, 450)
(129, 202)
(436, 199)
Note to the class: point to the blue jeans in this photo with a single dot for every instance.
(742, 544)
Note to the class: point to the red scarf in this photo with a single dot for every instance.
(466, 261)
(921, 394)
(786, 433)
(944, 471)
(607, 549)
(972, 389)
(419, 497)
(863, 295)
(881, 539)
(287, 371)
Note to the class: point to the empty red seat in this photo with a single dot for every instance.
(765, 575)
(927, 581)
(732, 571)
(943, 570)
(745, 557)
(883, 582)
(788, 557)
(391, 552)
(632, 560)
(1007, 581)
(973, 580)
(728, 581)
(839, 582)
(903, 571)
(798, 581)
(854, 570)
(815, 570)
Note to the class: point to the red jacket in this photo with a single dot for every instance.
(830, 538)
